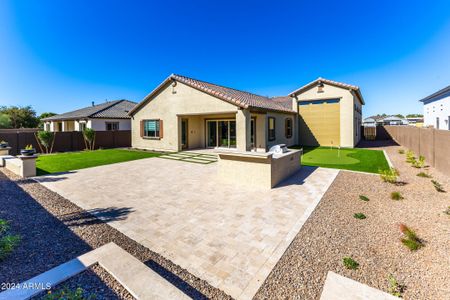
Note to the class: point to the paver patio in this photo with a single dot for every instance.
(228, 235)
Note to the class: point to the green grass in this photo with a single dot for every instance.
(363, 160)
(63, 162)
(350, 263)
(360, 216)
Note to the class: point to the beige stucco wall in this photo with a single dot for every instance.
(280, 136)
(347, 110)
(172, 104)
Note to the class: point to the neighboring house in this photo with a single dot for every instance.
(184, 113)
(436, 109)
(386, 120)
(415, 121)
(111, 115)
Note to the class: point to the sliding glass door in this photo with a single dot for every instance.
(221, 133)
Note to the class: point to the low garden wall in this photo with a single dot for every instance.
(65, 141)
(433, 144)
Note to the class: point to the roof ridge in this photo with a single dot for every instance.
(223, 86)
(112, 103)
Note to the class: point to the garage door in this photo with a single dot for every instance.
(320, 122)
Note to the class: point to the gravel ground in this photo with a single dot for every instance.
(332, 233)
(96, 283)
(54, 230)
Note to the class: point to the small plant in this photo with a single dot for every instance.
(68, 294)
(401, 151)
(8, 242)
(360, 216)
(389, 175)
(29, 147)
(410, 238)
(424, 175)
(410, 157)
(438, 186)
(396, 196)
(395, 288)
(447, 211)
(350, 263)
(363, 198)
(420, 163)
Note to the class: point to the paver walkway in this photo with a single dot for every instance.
(193, 157)
(227, 235)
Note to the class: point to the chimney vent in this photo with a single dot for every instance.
(93, 103)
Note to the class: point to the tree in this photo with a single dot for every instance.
(45, 115)
(89, 138)
(5, 122)
(400, 116)
(20, 117)
(46, 139)
(414, 116)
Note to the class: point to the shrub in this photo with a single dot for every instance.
(410, 238)
(350, 263)
(410, 157)
(89, 138)
(360, 216)
(46, 139)
(401, 151)
(67, 294)
(8, 242)
(363, 198)
(424, 175)
(389, 175)
(438, 186)
(396, 196)
(395, 288)
(420, 163)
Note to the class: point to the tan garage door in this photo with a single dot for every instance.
(320, 122)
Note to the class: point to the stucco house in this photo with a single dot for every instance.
(436, 109)
(185, 113)
(111, 115)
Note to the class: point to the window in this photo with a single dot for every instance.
(271, 128)
(112, 126)
(47, 126)
(288, 128)
(437, 123)
(82, 126)
(151, 128)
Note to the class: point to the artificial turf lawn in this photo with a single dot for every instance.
(63, 162)
(349, 159)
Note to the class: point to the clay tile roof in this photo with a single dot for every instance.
(239, 98)
(330, 82)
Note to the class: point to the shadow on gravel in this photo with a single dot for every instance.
(176, 281)
(96, 216)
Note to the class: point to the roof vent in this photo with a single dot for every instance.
(93, 103)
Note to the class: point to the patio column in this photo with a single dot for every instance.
(243, 119)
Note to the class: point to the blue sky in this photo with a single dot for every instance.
(61, 55)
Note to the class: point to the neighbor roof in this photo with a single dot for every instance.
(239, 98)
(330, 82)
(117, 109)
(436, 96)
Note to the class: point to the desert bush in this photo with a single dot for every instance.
(420, 163)
(410, 238)
(8, 242)
(401, 151)
(396, 196)
(389, 175)
(438, 186)
(395, 288)
(360, 216)
(350, 263)
(447, 211)
(363, 198)
(424, 175)
(410, 157)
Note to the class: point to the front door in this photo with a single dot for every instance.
(184, 134)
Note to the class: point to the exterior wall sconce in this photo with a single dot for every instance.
(174, 84)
